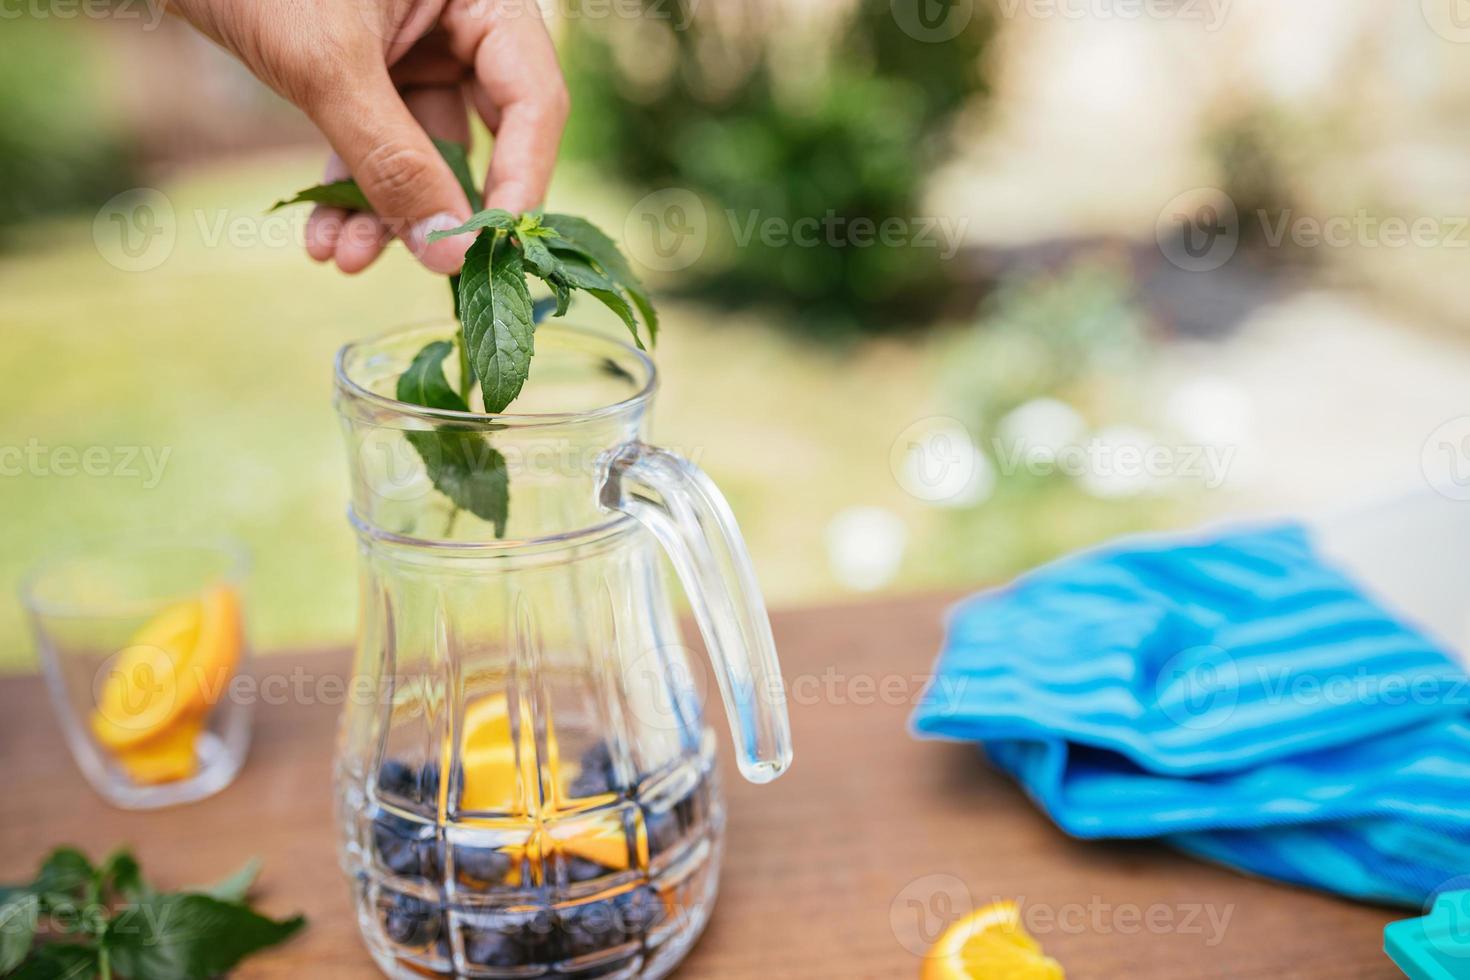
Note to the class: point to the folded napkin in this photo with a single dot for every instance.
(1234, 695)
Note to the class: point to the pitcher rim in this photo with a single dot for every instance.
(349, 388)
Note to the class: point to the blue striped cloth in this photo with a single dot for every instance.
(1234, 695)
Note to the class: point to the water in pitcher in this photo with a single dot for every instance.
(603, 878)
(525, 783)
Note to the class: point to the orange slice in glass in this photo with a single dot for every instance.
(176, 667)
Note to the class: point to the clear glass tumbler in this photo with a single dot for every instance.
(525, 782)
(141, 643)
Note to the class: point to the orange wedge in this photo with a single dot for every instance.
(167, 758)
(493, 776)
(176, 667)
(989, 944)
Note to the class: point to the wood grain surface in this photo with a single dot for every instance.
(840, 869)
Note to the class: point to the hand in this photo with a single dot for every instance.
(378, 77)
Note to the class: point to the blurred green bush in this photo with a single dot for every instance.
(60, 146)
(766, 118)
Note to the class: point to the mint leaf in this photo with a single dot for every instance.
(498, 328)
(424, 382)
(346, 193)
(188, 937)
(461, 464)
(17, 929)
(69, 961)
(457, 155)
(576, 271)
(494, 218)
(338, 194)
(538, 257)
(468, 470)
(65, 872)
(580, 235)
(121, 872)
(236, 886)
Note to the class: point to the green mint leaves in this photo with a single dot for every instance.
(105, 922)
(496, 341)
(567, 253)
(460, 463)
(340, 194)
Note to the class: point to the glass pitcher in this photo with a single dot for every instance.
(525, 784)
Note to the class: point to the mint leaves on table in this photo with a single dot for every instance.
(496, 340)
(79, 922)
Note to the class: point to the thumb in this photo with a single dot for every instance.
(395, 163)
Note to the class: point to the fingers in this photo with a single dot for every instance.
(324, 227)
(440, 110)
(401, 173)
(323, 232)
(353, 240)
(523, 99)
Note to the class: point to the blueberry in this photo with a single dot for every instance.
(429, 783)
(405, 847)
(641, 909)
(595, 926)
(581, 869)
(591, 928)
(481, 867)
(410, 921)
(596, 774)
(512, 939)
(692, 808)
(399, 778)
(665, 830)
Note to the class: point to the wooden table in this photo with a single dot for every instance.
(835, 870)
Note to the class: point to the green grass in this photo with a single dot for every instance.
(222, 356)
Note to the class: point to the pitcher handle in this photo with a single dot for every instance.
(689, 517)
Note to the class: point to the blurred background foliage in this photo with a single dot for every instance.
(60, 148)
(882, 418)
(770, 114)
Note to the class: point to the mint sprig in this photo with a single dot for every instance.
(461, 463)
(78, 921)
(496, 339)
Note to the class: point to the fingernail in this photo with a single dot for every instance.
(445, 255)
